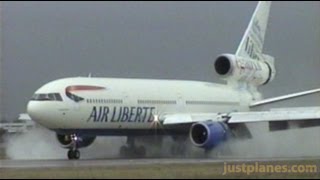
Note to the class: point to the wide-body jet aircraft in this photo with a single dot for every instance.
(80, 108)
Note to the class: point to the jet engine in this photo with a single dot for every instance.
(66, 140)
(208, 134)
(257, 72)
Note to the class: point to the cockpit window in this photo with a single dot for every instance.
(58, 97)
(47, 97)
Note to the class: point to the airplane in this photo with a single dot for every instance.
(78, 109)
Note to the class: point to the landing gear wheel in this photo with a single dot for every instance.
(124, 151)
(73, 154)
(70, 154)
(76, 154)
(179, 147)
(140, 151)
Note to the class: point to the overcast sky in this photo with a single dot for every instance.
(44, 41)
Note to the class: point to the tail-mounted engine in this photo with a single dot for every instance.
(256, 72)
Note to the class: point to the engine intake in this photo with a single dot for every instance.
(257, 72)
(222, 65)
(208, 134)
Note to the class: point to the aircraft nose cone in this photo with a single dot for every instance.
(36, 112)
(44, 114)
(32, 110)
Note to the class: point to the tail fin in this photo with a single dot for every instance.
(251, 45)
(249, 68)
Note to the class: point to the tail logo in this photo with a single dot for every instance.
(257, 26)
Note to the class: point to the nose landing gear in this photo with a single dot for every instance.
(73, 152)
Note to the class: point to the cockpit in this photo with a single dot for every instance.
(47, 97)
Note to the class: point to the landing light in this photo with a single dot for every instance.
(155, 118)
(74, 137)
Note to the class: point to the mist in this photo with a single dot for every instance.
(41, 143)
(289, 143)
(38, 143)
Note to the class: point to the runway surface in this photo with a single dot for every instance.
(128, 162)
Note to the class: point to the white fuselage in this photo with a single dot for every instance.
(122, 104)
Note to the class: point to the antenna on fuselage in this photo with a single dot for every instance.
(89, 75)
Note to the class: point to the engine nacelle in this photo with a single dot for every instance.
(257, 72)
(208, 134)
(66, 140)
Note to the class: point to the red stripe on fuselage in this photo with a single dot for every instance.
(83, 88)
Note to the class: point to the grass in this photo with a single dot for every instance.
(187, 171)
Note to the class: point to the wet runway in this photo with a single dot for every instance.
(129, 162)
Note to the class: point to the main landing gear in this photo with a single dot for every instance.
(179, 147)
(131, 150)
(73, 152)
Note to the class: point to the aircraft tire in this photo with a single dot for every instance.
(73, 154)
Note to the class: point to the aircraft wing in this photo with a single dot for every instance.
(173, 119)
(277, 118)
(288, 114)
(273, 115)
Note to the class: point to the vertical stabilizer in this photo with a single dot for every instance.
(252, 42)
